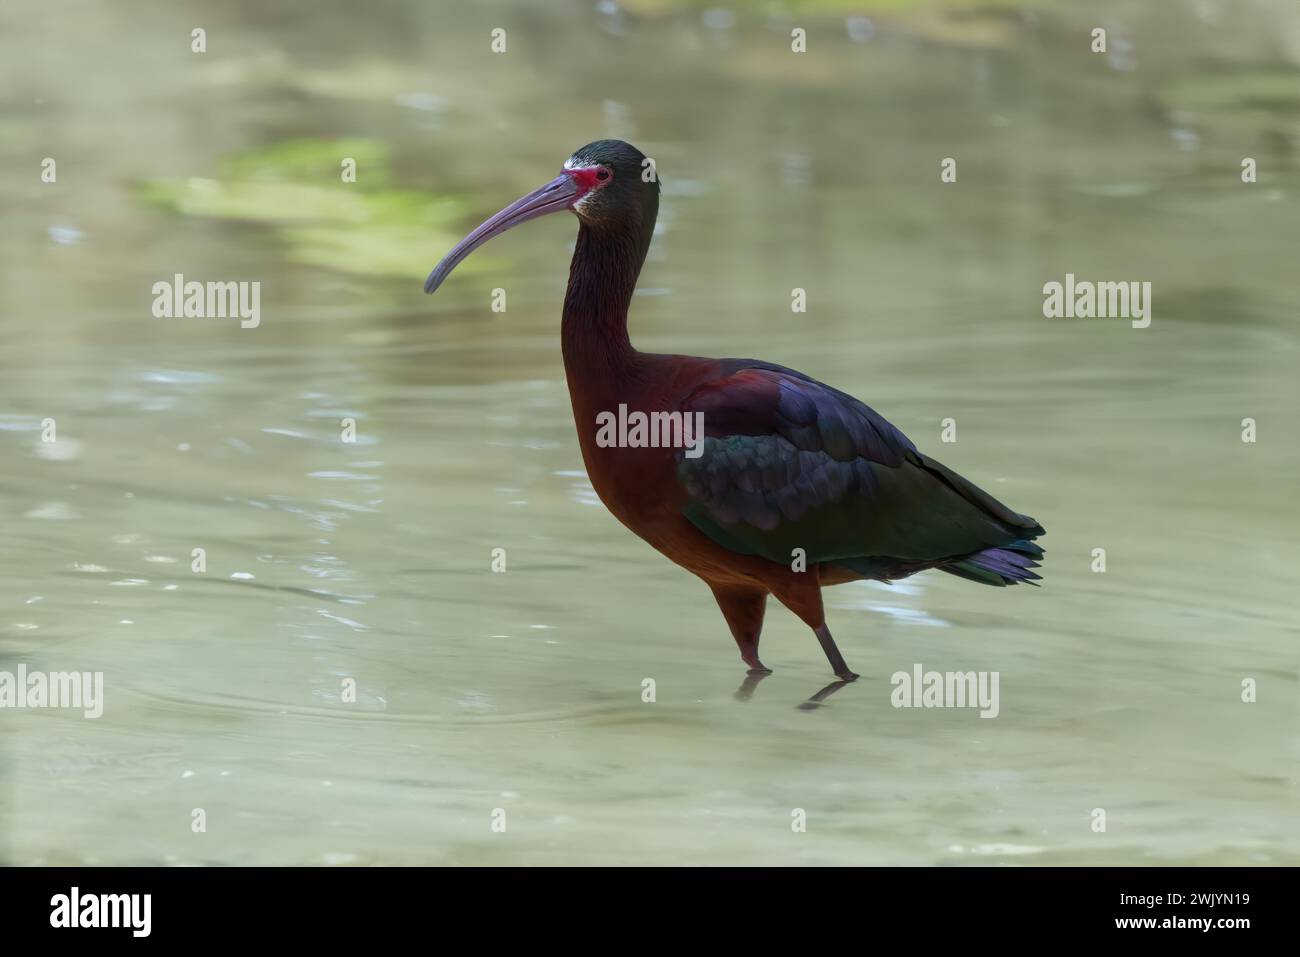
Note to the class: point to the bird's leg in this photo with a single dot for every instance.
(838, 664)
(803, 596)
(743, 609)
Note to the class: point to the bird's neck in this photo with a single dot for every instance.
(602, 277)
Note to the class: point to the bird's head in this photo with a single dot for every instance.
(606, 184)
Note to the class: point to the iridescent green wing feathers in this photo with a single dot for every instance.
(789, 463)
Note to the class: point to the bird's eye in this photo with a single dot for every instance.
(603, 175)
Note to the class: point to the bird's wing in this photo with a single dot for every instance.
(789, 462)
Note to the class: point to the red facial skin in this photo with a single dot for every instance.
(587, 179)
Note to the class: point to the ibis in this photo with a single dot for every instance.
(792, 486)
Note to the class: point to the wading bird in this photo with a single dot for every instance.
(798, 485)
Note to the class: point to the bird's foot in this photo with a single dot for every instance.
(846, 676)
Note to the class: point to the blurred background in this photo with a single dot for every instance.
(329, 560)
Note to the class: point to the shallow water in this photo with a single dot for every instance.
(329, 560)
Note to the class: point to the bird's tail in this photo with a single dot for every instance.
(1005, 565)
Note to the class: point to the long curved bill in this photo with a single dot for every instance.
(556, 195)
